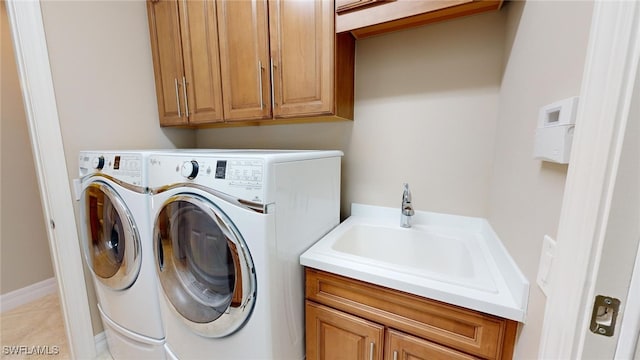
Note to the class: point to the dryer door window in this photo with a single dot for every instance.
(111, 241)
(204, 266)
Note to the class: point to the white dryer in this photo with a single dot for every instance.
(117, 246)
(229, 227)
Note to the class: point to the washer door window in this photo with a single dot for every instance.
(111, 240)
(204, 266)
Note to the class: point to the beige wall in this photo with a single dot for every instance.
(24, 248)
(103, 78)
(545, 52)
(425, 112)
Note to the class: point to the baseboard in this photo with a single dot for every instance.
(101, 344)
(27, 294)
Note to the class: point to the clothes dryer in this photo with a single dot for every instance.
(117, 246)
(229, 227)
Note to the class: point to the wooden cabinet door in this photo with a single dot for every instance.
(401, 346)
(334, 335)
(166, 48)
(201, 88)
(243, 34)
(302, 41)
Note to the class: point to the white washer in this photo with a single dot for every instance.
(117, 246)
(229, 227)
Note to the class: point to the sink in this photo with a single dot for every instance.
(455, 259)
(416, 248)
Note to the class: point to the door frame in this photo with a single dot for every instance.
(605, 100)
(34, 72)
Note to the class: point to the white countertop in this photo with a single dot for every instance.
(464, 262)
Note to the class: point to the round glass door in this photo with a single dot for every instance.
(111, 240)
(204, 266)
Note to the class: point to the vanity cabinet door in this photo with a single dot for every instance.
(333, 334)
(427, 321)
(401, 346)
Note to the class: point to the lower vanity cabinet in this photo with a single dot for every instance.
(333, 334)
(350, 319)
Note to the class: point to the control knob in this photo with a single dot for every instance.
(98, 162)
(189, 169)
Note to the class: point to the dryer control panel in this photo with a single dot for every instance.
(240, 178)
(126, 167)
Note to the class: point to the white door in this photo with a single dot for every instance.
(599, 232)
(620, 252)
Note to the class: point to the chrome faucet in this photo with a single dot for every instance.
(407, 208)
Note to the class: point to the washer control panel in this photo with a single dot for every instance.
(124, 167)
(241, 178)
(243, 172)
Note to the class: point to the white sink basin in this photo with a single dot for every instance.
(455, 259)
(416, 248)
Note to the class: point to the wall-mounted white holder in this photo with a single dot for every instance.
(554, 134)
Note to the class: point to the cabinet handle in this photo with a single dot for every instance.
(395, 355)
(273, 94)
(260, 84)
(184, 92)
(177, 97)
(371, 350)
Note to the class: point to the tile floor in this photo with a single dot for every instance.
(34, 331)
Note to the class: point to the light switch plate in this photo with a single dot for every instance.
(546, 260)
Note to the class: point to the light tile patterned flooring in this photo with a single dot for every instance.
(34, 331)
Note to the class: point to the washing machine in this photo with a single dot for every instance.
(116, 240)
(229, 227)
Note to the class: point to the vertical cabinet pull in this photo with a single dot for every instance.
(273, 94)
(260, 84)
(184, 92)
(177, 97)
(395, 355)
(371, 348)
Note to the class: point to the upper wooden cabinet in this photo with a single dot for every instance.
(243, 34)
(250, 62)
(402, 14)
(186, 62)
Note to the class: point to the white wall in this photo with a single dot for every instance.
(425, 112)
(103, 78)
(25, 255)
(545, 51)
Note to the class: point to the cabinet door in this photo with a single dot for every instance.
(166, 50)
(401, 346)
(302, 41)
(244, 52)
(334, 335)
(201, 88)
